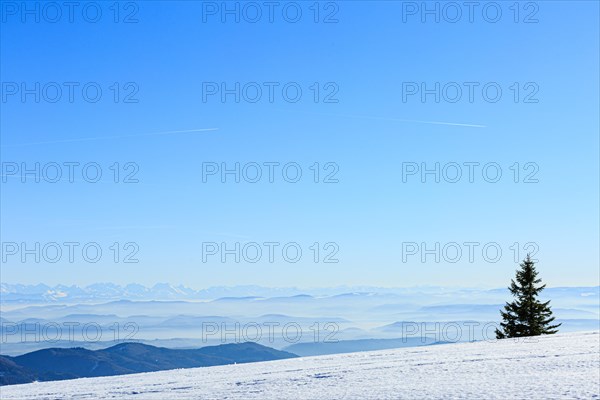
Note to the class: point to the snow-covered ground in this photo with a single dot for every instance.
(550, 367)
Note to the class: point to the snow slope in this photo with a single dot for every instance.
(551, 367)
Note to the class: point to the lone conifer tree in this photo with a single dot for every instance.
(526, 315)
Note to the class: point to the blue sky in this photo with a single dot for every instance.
(368, 56)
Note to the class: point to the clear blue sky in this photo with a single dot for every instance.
(369, 133)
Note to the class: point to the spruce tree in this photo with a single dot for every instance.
(526, 315)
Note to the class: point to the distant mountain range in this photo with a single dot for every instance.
(41, 293)
(125, 358)
(32, 315)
